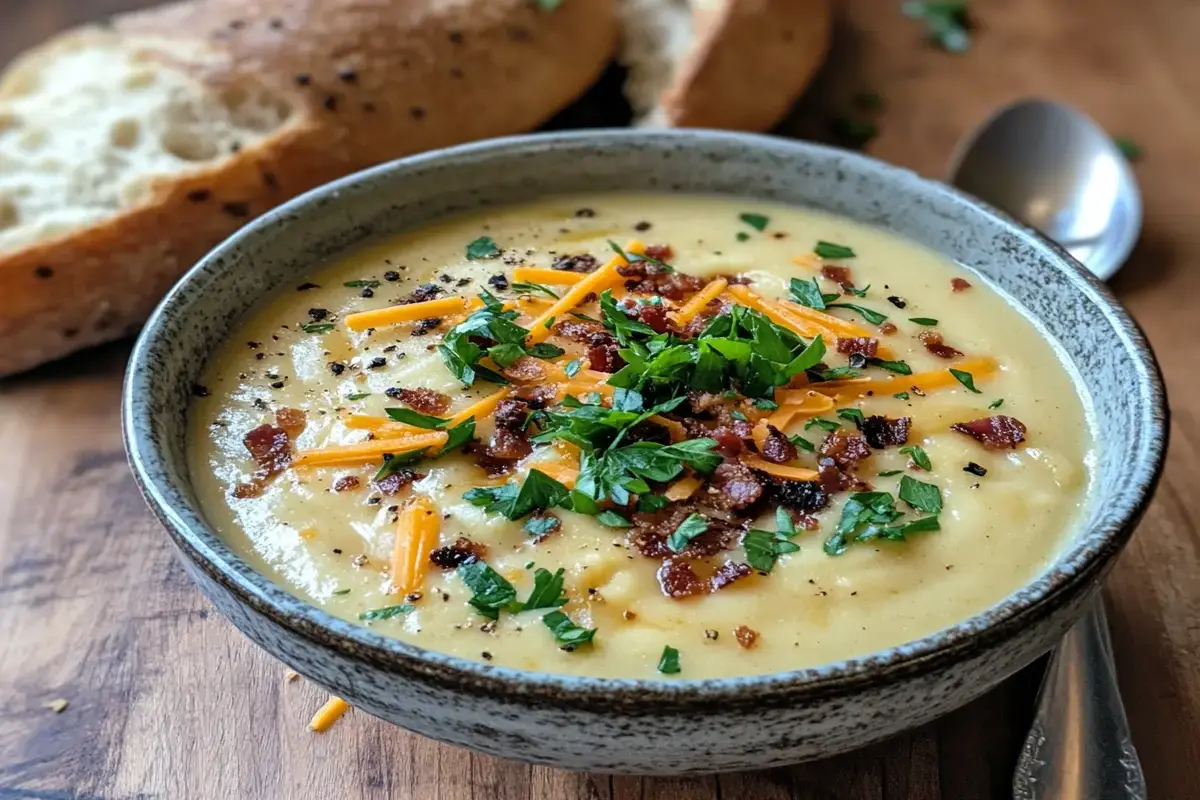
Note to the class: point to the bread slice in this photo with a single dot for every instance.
(735, 64)
(128, 151)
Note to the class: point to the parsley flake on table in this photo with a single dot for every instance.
(483, 247)
(668, 662)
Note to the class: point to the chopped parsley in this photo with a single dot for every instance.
(742, 236)
(918, 455)
(763, 548)
(483, 247)
(808, 293)
(832, 250)
(668, 662)
(996, 403)
(361, 284)
(317, 327)
(572, 367)
(966, 379)
(920, 495)
(547, 590)
(827, 425)
(417, 420)
(901, 395)
(756, 221)
(873, 515)
(541, 525)
(612, 519)
(387, 612)
(688, 530)
(634, 258)
(887, 473)
(854, 415)
(529, 287)
(567, 633)
(491, 592)
(873, 317)
(539, 491)
(838, 373)
(927, 321)
(357, 396)
(898, 367)
(802, 443)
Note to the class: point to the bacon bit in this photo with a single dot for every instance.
(776, 447)
(652, 314)
(648, 432)
(492, 467)
(808, 522)
(881, 431)
(511, 414)
(845, 449)
(424, 401)
(677, 579)
(393, 482)
(861, 345)
(508, 445)
(729, 444)
(554, 527)
(579, 330)
(727, 573)
(832, 479)
(270, 448)
(887, 329)
(292, 420)
(897, 301)
(994, 433)
(605, 357)
(525, 369)
(703, 402)
(661, 252)
(584, 262)
(538, 397)
(736, 280)
(746, 637)
(839, 275)
(959, 284)
(423, 293)
(457, 554)
(733, 486)
(346, 483)
(651, 531)
(934, 343)
(804, 496)
(646, 278)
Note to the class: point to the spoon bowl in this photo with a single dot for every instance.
(1053, 168)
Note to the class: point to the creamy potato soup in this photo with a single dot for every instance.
(643, 435)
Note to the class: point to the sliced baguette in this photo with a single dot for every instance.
(128, 151)
(735, 64)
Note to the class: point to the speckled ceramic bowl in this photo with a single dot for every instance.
(649, 725)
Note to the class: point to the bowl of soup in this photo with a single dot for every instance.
(667, 452)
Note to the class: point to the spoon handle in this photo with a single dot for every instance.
(1079, 747)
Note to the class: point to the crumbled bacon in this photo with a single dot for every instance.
(457, 554)
(703, 402)
(729, 444)
(346, 483)
(525, 369)
(839, 275)
(538, 397)
(508, 445)
(651, 531)
(880, 431)
(421, 294)
(579, 330)
(727, 573)
(651, 314)
(292, 420)
(736, 280)
(959, 284)
(677, 579)
(648, 432)
(424, 401)
(803, 496)
(584, 262)
(994, 433)
(605, 357)
(660, 252)
(746, 637)
(887, 329)
(733, 486)
(270, 448)
(511, 414)
(935, 344)
(671, 285)
(846, 449)
(831, 479)
(776, 447)
(860, 345)
(393, 482)
(491, 466)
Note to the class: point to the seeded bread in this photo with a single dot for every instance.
(736, 64)
(127, 151)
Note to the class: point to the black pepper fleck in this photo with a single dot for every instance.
(377, 362)
(391, 275)
(303, 79)
(367, 292)
(304, 287)
(642, 226)
(44, 271)
(199, 390)
(498, 282)
(975, 469)
(585, 212)
(318, 314)
(199, 195)
(347, 75)
(330, 102)
(417, 112)
(337, 368)
(236, 209)
(897, 301)
(486, 655)
(277, 385)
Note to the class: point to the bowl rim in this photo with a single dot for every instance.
(1073, 569)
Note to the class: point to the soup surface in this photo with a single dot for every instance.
(842, 444)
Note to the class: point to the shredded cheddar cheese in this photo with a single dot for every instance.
(699, 301)
(844, 391)
(393, 315)
(549, 277)
(682, 489)
(604, 278)
(329, 713)
(368, 451)
(417, 531)
(779, 470)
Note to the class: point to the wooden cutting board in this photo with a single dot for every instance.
(167, 700)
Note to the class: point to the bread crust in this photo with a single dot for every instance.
(366, 81)
(749, 61)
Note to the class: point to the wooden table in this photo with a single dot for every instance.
(167, 700)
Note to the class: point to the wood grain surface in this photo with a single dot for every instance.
(167, 700)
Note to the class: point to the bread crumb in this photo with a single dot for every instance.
(57, 706)
(290, 675)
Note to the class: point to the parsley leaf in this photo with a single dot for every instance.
(649, 503)
(929, 321)
(756, 221)
(831, 250)
(996, 403)
(541, 525)
(547, 590)
(922, 496)
(862, 509)
(802, 443)
(827, 425)
(459, 435)
(854, 415)
(395, 463)
(357, 396)
(387, 612)
(566, 632)
(613, 520)
(491, 592)
(898, 367)
(634, 258)
(689, 529)
(620, 323)
(528, 287)
(873, 317)
(317, 327)
(838, 373)
(919, 456)
(572, 368)
(887, 473)
(966, 379)
(410, 417)
(483, 247)
(763, 548)
(361, 284)
(808, 293)
(901, 395)
(538, 491)
(742, 236)
(668, 663)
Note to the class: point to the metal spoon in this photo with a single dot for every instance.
(1053, 168)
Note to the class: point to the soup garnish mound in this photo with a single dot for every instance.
(643, 435)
